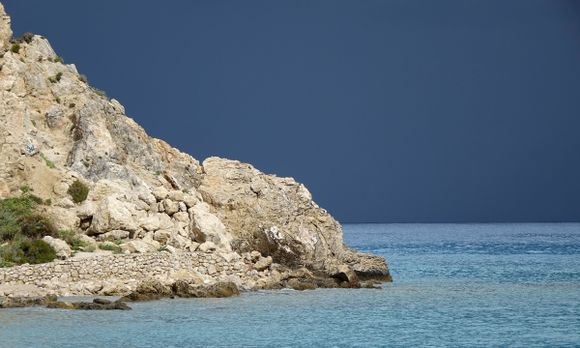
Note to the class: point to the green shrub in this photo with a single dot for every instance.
(78, 191)
(56, 78)
(15, 47)
(59, 59)
(17, 217)
(35, 198)
(100, 93)
(25, 189)
(27, 251)
(11, 211)
(72, 239)
(36, 226)
(16, 206)
(20, 228)
(111, 246)
(26, 37)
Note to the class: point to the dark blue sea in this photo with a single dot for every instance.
(470, 285)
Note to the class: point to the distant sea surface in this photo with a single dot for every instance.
(477, 285)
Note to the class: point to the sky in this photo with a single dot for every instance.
(388, 111)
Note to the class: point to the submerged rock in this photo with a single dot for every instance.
(96, 304)
(29, 301)
(154, 290)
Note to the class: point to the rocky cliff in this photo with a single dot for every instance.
(143, 194)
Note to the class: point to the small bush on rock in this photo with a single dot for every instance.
(36, 226)
(32, 251)
(111, 247)
(72, 239)
(26, 37)
(78, 191)
(20, 230)
(15, 48)
(56, 78)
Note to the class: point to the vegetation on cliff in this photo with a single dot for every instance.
(21, 230)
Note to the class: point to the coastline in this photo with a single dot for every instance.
(152, 276)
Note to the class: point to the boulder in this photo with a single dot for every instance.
(62, 249)
(301, 284)
(96, 304)
(160, 193)
(263, 263)
(149, 290)
(114, 235)
(170, 207)
(208, 227)
(156, 221)
(162, 236)
(113, 214)
(175, 195)
(217, 290)
(181, 217)
(346, 276)
(190, 200)
(180, 242)
(207, 246)
(140, 246)
(90, 243)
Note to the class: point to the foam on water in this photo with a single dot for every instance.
(455, 285)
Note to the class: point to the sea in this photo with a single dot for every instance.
(454, 285)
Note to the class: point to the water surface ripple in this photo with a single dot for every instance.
(455, 285)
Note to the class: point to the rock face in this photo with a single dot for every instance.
(5, 29)
(145, 195)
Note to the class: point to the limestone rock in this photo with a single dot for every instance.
(54, 132)
(220, 289)
(207, 246)
(5, 29)
(113, 214)
(277, 216)
(114, 235)
(141, 246)
(170, 207)
(176, 196)
(207, 227)
(62, 249)
(263, 263)
(160, 193)
(149, 290)
(89, 242)
(162, 236)
(345, 274)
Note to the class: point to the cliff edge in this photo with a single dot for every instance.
(57, 134)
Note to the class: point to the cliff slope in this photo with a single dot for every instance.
(55, 130)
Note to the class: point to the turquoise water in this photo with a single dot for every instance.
(455, 285)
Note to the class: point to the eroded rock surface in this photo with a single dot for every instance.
(144, 195)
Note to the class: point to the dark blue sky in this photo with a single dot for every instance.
(394, 111)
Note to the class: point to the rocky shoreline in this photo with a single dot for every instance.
(144, 277)
(92, 205)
